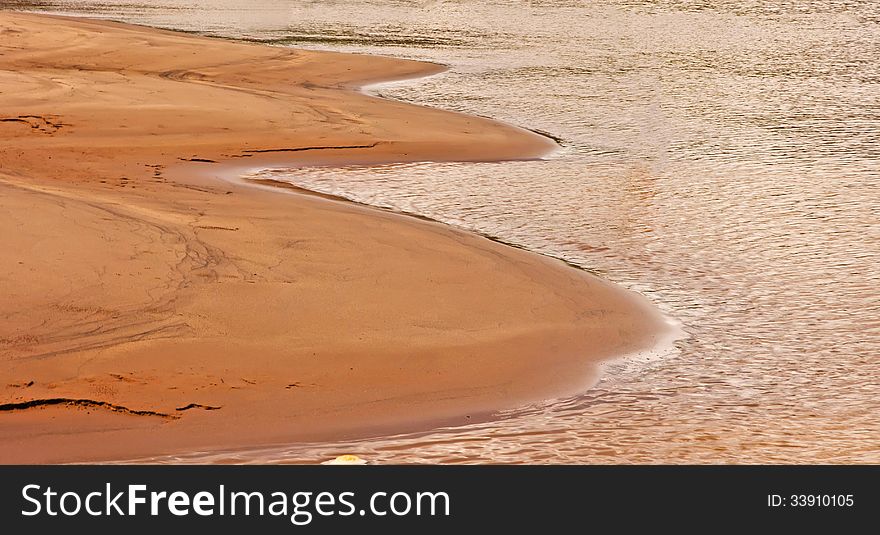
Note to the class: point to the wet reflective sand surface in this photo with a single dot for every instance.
(722, 158)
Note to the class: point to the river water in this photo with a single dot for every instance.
(720, 157)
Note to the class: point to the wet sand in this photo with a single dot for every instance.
(152, 307)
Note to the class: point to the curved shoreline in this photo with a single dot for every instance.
(139, 282)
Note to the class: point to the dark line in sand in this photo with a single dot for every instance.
(24, 405)
(212, 227)
(557, 139)
(299, 149)
(543, 133)
(198, 406)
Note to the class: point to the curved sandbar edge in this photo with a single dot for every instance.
(149, 308)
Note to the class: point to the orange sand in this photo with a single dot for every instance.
(150, 308)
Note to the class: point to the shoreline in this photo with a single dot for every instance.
(207, 314)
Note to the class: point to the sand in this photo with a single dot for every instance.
(151, 305)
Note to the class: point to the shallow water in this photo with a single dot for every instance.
(720, 157)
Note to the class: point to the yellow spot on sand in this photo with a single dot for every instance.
(346, 459)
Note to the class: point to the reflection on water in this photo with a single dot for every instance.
(720, 157)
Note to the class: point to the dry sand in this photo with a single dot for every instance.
(149, 307)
